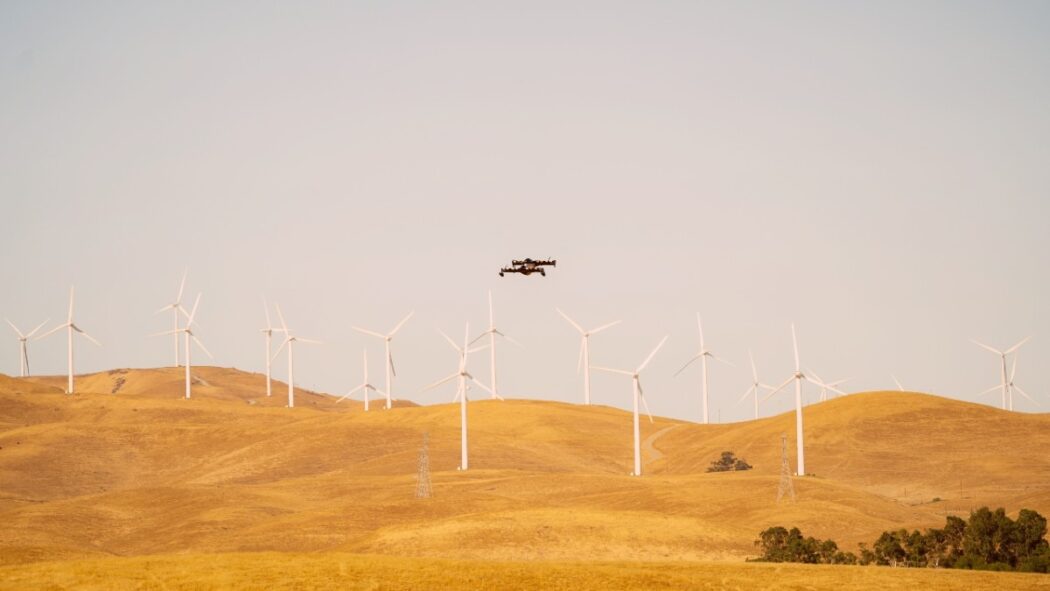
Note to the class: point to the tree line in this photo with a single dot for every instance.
(989, 540)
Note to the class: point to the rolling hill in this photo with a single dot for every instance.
(129, 468)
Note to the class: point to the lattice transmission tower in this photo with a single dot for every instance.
(787, 487)
(423, 486)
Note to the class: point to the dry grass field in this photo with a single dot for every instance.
(127, 485)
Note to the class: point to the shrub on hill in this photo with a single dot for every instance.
(989, 541)
(727, 463)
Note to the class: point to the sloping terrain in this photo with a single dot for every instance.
(143, 471)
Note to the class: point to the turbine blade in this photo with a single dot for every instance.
(1013, 370)
(794, 342)
(70, 320)
(611, 370)
(1017, 346)
(164, 309)
(754, 370)
(511, 340)
(390, 360)
(1025, 394)
(38, 327)
(351, 392)
(896, 381)
(88, 337)
(777, 389)
(571, 321)
(201, 345)
(368, 332)
(266, 310)
(441, 382)
(687, 364)
(605, 326)
(168, 332)
(280, 316)
(279, 349)
(480, 336)
(479, 384)
(983, 346)
(52, 331)
(641, 396)
(579, 358)
(719, 359)
(700, 328)
(182, 285)
(18, 332)
(823, 385)
(451, 342)
(746, 394)
(997, 387)
(308, 341)
(402, 323)
(193, 312)
(651, 355)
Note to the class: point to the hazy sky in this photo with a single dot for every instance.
(877, 173)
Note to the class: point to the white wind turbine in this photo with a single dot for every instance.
(798, 378)
(23, 354)
(390, 372)
(268, 333)
(702, 355)
(71, 328)
(898, 382)
(825, 385)
(637, 395)
(756, 386)
(1008, 399)
(1011, 386)
(584, 360)
(289, 341)
(365, 385)
(461, 390)
(176, 309)
(187, 333)
(492, 332)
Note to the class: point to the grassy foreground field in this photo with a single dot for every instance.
(270, 570)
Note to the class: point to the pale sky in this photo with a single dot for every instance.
(877, 173)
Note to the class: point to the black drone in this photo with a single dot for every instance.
(528, 267)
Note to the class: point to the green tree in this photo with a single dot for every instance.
(888, 549)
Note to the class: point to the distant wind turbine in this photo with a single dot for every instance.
(637, 395)
(492, 332)
(898, 382)
(176, 309)
(461, 390)
(268, 333)
(1007, 395)
(390, 372)
(71, 328)
(365, 385)
(825, 385)
(289, 341)
(187, 333)
(584, 360)
(702, 355)
(756, 385)
(798, 378)
(23, 354)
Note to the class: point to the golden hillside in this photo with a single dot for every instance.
(143, 471)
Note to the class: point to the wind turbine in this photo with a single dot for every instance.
(799, 377)
(492, 332)
(898, 382)
(187, 333)
(71, 328)
(176, 309)
(584, 359)
(289, 341)
(824, 386)
(390, 373)
(756, 385)
(1008, 399)
(637, 394)
(702, 355)
(268, 333)
(23, 357)
(461, 390)
(365, 385)
(1012, 386)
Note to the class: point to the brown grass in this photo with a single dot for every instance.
(144, 472)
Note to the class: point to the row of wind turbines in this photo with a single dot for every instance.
(465, 380)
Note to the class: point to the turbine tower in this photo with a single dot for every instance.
(798, 378)
(289, 341)
(461, 390)
(756, 385)
(702, 355)
(187, 333)
(176, 309)
(390, 372)
(1008, 399)
(71, 327)
(365, 385)
(584, 359)
(492, 332)
(23, 354)
(268, 333)
(637, 395)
